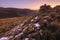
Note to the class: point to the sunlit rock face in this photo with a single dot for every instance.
(4, 38)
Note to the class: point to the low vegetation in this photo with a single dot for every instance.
(8, 23)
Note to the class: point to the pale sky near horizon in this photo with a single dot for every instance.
(30, 4)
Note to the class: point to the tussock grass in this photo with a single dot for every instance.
(8, 23)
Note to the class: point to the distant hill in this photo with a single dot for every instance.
(15, 12)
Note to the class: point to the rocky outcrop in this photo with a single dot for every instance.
(38, 27)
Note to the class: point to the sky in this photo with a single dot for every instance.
(30, 4)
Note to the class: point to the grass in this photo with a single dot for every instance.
(8, 23)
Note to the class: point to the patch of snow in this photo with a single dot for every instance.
(14, 29)
(26, 38)
(32, 20)
(45, 20)
(36, 17)
(18, 26)
(37, 25)
(22, 24)
(19, 34)
(19, 29)
(4, 38)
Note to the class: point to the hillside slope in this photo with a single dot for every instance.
(15, 12)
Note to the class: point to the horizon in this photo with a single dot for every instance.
(28, 4)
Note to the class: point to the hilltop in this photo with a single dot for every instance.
(15, 12)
